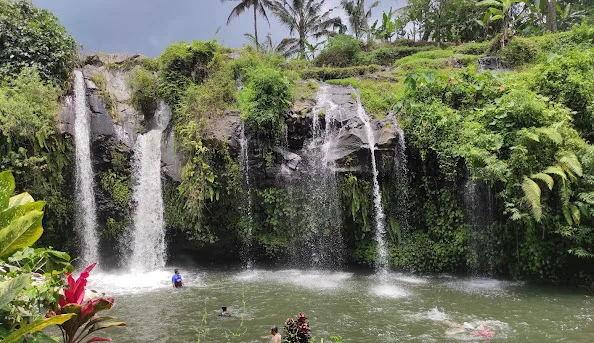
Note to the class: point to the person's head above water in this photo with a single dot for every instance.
(224, 308)
(274, 330)
(176, 271)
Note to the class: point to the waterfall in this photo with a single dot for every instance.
(401, 178)
(478, 206)
(86, 221)
(147, 241)
(322, 197)
(381, 260)
(244, 169)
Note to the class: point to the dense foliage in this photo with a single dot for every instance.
(32, 37)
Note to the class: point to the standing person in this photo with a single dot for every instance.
(176, 279)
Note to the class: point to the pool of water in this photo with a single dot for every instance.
(359, 307)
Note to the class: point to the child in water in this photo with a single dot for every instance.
(482, 330)
(224, 312)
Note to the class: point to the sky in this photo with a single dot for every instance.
(148, 26)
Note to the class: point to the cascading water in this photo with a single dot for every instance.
(381, 260)
(86, 220)
(478, 204)
(322, 201)
(147, 241)
(401, 176)
(244, 169)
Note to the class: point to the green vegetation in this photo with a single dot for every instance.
(264, 100)
(33, 38)
(32, 149)
(143, 87)
(111, 104)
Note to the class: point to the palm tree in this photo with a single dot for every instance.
(305, 18)
(257, 5)
(358, 17)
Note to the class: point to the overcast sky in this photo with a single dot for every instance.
(148, 26)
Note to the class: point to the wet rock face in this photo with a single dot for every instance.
(489, 63)
(122, 123)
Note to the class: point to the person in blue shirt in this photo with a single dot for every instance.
(176, 279)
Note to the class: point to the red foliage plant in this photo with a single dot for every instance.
(85, 320)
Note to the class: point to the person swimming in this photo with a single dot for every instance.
(482, 330)
(224, 312)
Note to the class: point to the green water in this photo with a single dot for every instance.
(360, 308)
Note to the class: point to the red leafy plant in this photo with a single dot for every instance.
(297, 330)
(85, 320)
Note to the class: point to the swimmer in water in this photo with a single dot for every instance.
(224, 312)
(482, 330)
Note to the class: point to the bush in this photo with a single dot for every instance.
(472, 48)
(323, 74)
(341, 52)
(30, 37)
(182, 64)
(519, 51)
(297, 330)
(568, 80)
(144, 91)
(386, 56)
(264, 101)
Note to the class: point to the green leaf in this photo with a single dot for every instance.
(20, 199)
(551, 133)
(556, 171)
(9, 289)
(532, 197)
(21, 233)
(37, 325)
(6, 188)
(570, 162)
(12, 213)
(98, 327)
(546, 178)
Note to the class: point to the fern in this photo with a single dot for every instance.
(546, 178)
(569, 162)
(551, 133)
(532, 197)
(555, 170)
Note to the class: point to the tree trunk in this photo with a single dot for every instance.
(256, 27)
(552, 16)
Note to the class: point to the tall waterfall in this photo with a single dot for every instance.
(147, 241)
(478, 206)
(244, 169)
(86, 220)
(322, 201)
(381, 260)
(401, 176)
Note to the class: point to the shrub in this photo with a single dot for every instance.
(341, 52)
(568, 80)
(519, 51)
(143, 87)
(297, 330)
(472, 48)
(264, 101)
(182, 64)
(386, 56)
(337, 73)
(30, 37)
